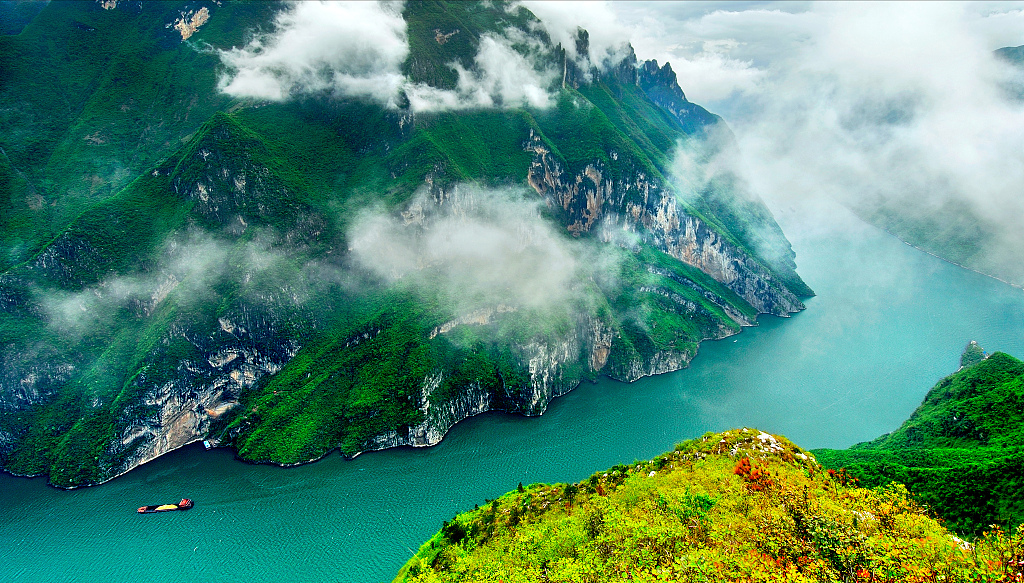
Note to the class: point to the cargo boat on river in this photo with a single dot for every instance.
(185, 504)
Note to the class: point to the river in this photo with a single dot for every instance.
(887, 323)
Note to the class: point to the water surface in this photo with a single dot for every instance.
(887, 323)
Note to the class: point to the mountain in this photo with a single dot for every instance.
(735, 506)
(298, 228)
(1011, 54)
(952, 231)
(961, 452)
(957, 228)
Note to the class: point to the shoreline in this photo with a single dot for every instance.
(286, 465)
(935, 255)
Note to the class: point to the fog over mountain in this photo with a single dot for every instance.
(898, 110)
(483, 248)
(399, 215)
(356, 49)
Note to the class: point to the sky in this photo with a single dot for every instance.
(721, 49)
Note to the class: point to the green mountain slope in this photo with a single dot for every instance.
(736, 506)
(92, 97)
(961, 452)
(232, 276)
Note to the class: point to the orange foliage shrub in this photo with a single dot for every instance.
(844, 478)
(756, 477)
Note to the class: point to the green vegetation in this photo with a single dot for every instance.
(462, 23)
(93, 97)
(736, 506)
(952, 228)
(962, 451)
(953, 231)
(145, 216)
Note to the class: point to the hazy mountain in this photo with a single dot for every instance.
(958, 229)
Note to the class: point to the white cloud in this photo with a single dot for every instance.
(502, 77)
(860, 101)
(561, 20)
(479, 248)
(898, 103)
(356, 49)
(895, 97)
(195, 261)
(188, 268)
(348, 48)
(711, 75)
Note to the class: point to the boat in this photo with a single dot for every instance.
(185, 504)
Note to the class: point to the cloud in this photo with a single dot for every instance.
(356, 49)
(478, 248)
(562, 20)
(189, 269)
(502, 77)
(346, 48)
(95, 308)
(894, 100)
(710, 75)
(898, 105)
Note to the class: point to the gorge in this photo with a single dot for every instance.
(298, 267)
(851, 367)
(320, 237)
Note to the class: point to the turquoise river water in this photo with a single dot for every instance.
(887, 323)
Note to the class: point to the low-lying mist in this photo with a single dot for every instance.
(479, 248)
(900, 111)
(192, 270)
(356, 49)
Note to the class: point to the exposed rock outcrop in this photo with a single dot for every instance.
(173, 412)
(641, 204)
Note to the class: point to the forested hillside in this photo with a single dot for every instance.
(962, 451)
(298, 228)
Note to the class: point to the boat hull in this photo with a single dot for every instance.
(185, 504)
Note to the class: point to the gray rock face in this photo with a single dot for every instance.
(176, 411)
(28, 377)
(642, 205)
(548, 379)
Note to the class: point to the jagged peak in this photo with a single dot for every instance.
(663, 77)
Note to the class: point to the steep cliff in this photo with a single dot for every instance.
(326, 272)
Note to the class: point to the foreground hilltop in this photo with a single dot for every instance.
(741, 505)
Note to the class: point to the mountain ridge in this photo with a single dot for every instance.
(960, 452)
(228, 292)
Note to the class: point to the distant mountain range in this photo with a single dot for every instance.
(954, 229)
